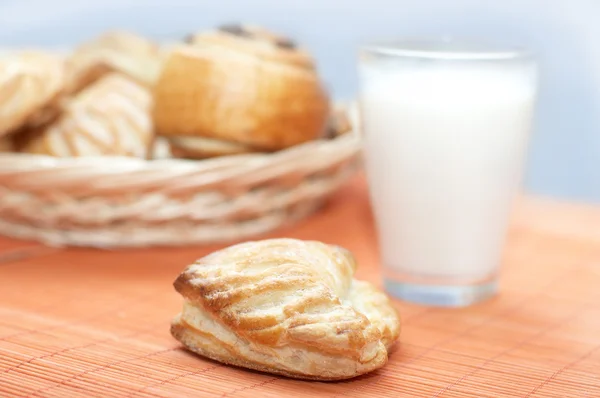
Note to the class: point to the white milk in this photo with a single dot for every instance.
(444, 152)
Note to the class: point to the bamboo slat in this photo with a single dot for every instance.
(87, 323)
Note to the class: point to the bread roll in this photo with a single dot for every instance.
(242, 85)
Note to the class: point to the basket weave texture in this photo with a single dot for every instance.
(114, 202)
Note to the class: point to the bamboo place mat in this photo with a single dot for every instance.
(88, 323)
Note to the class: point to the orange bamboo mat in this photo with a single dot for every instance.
(85, 323)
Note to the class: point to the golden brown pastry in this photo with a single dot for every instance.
(339, 122)
(204, 148)
(160, 149)
(110, 117)
(288, 307)
(114, 51)
(6, 144)
(30, 82)
(241, 84)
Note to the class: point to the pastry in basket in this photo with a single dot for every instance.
(287, 307)
(244, 86)
(110, 117)
(203, 148)
(160, 149)
(114, 51)
(6, 144)
(30, 83)
(339, 122)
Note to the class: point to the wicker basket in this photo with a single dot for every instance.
(124, 202)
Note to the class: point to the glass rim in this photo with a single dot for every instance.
(446, 48)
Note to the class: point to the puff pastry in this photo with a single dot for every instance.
(6, 144)
(287, 307)
(30, 82)
(204, 148)
(339, 123)
(110, 117)
(114, 51)
(241, 84)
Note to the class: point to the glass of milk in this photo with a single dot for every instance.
(446, 125)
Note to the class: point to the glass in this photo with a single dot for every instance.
(446, 125)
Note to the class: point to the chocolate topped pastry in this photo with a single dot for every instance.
(257, 34)
(286, 43)
(234, 29)
(240, 84)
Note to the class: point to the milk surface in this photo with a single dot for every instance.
(444, 148)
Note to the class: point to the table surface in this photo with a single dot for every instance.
(81, 322)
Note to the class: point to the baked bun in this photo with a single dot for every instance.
(287, 307)
(339, 123)
(244, 85)
(204, 148)
(110, 117)
(30, 83)
(7, 144)
(114, 51)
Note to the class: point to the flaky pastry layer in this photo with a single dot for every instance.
(288, 307)
(202, 148)
(114, 52)
(30, 81)
(110, 117)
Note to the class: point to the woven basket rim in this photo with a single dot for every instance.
(131, 163)
(115, 201)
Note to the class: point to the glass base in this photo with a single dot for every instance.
(441, 295)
